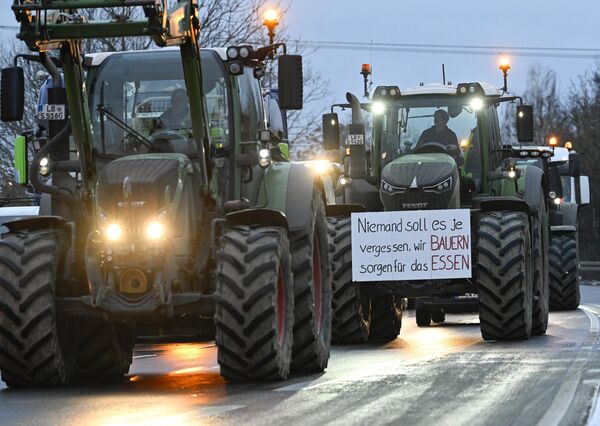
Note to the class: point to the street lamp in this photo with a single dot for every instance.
(271, 20)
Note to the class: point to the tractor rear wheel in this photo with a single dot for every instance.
(504, 275)
(541, 277)
(312, 286)
(37, 344)
(254, 303)
(105, 351)
(386, 318)
(351, 309)
(564, 272)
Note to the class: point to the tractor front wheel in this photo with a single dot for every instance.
(254, 304)
(312, 284)
(564, 273)
(37, 344)
(504, 275)
(386, 318)
(351, 309)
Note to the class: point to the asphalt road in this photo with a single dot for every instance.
(437, 375)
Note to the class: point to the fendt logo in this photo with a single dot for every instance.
(414, 205)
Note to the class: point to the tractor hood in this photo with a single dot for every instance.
(420, 181)
(146, 183)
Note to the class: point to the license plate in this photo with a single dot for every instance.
(355, 140)
(52, 112)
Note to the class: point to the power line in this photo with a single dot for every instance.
(522, 51)
(455, 46)
(9, 27)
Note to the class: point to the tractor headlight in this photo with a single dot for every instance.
(264, 158)
(558, 201)
(391, 189)
(155, 231)
(440, 187)
(113, 232)
(378, 108)
(44, 166)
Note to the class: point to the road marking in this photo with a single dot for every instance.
(563, 398)
(145, 356)
(593, 371)
(594, 382)
(594, 418)
(594, 322)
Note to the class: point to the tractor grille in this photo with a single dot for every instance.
(416, 199)
(148, 178)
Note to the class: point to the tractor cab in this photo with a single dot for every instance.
(432, 147)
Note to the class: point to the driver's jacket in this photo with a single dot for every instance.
(446, 137)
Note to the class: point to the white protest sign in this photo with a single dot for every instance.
(411, 245)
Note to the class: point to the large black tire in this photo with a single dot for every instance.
(351, 309)
(105, 351)
(504, 275)
(564, 272)
(541, 277)
(312, 286)
(37, 345)
(422, 314)
(254, 304)
(438, 316)
(386, 318)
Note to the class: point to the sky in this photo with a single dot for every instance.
(539, 23)
(547, 23)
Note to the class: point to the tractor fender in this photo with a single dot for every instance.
(534, 183)
(300, 185)
(343, 209)
(505, 203)
(263, 217)
(37, 222)
(288, 188)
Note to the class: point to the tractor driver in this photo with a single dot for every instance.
(440, 133)
(177, 116)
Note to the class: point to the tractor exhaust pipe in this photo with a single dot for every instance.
(355, 104)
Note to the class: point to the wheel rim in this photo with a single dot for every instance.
(317, 285)
(281, 308)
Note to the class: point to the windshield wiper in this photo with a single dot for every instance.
(106, 110)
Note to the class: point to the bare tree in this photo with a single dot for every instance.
(583, 115)
(549, 116)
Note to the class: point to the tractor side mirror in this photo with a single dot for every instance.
(525, 123)
(574, 164)
(584, 190)
(291, 82)
(554, 182)
(12, 94)
(20, 160)
(331, 131)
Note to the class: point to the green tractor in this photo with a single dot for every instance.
(567, 192)
(170, 201)
(434, 148)
(564, 228)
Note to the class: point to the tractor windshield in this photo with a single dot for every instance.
(139, 104)
(422, 125)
